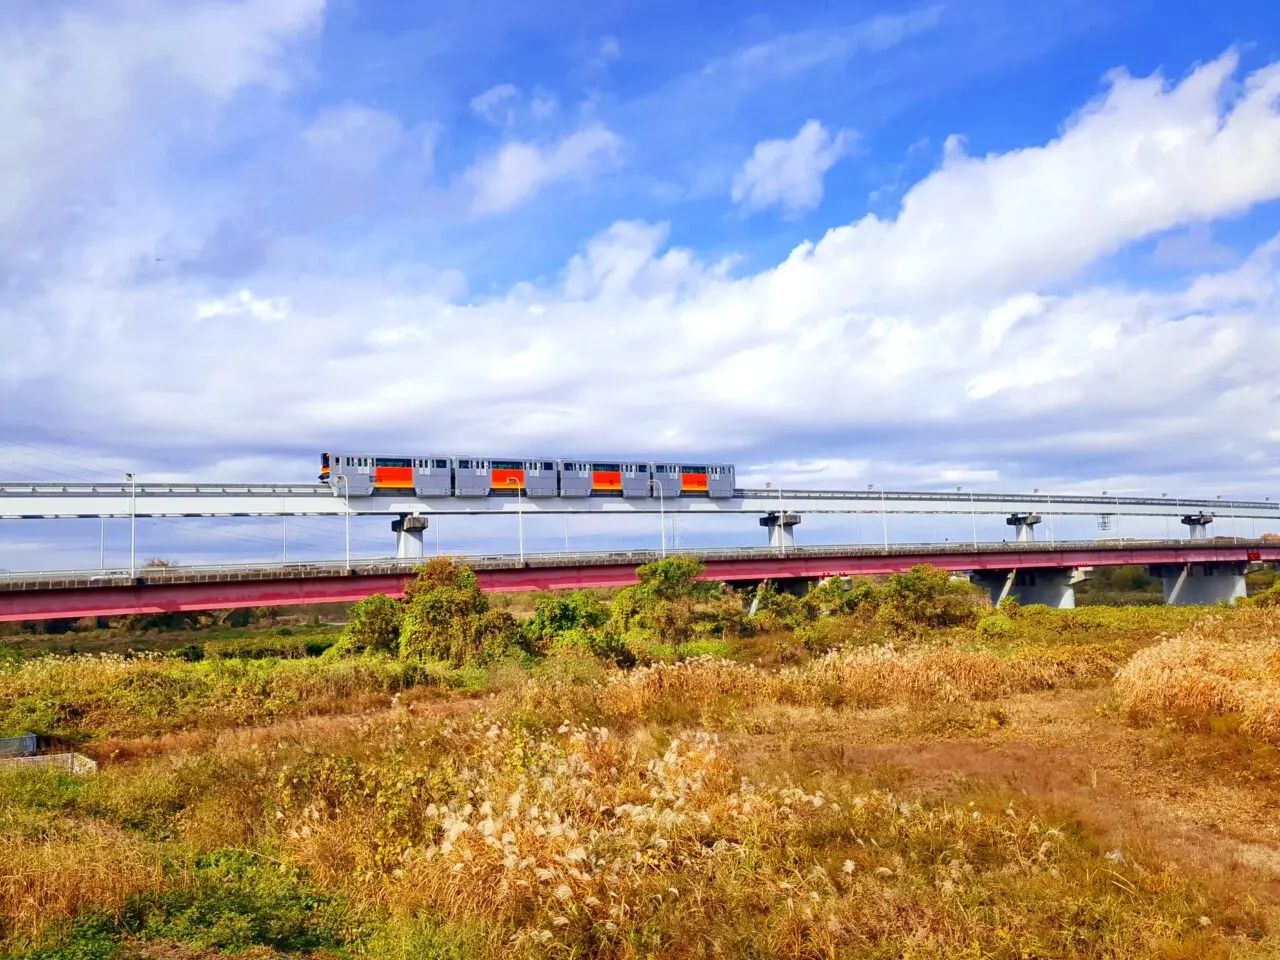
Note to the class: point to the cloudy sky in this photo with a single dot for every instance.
(986, 243)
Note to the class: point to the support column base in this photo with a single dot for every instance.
(1050, 587)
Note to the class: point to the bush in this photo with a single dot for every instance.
(555, 614)
(926, 597)
(447, 618)
(665, 604)
(374, 626)
(995, 625)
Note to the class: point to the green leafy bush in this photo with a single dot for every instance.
(995, 625)
(447, 618)
(374, 626)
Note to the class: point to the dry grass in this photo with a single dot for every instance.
(47, 880)
(863, 678)
(1223, 674)
(578, 843)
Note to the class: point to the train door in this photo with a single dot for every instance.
(433, 477)
(635, 480)
(575, 478)
(540, 478)
(471, 477)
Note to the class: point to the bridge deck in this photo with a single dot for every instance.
(167, 589)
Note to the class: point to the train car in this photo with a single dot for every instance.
(532, 478)
(361, 475)
(706, 480)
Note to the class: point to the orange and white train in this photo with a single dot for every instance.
(364, 475)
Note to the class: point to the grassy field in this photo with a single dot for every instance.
(1023, 783)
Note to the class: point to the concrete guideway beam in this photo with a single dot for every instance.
(1053, 587)
(1201, 584)
(781, 527)
(408, 530)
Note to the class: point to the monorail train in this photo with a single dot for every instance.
(362, 475)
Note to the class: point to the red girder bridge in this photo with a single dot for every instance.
(1204, 571)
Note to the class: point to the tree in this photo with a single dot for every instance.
(925, 596)
(664, 602)
(447, 618)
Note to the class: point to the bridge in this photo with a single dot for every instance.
(1193, 572)
(779, 510)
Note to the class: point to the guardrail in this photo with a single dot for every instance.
(303, 568)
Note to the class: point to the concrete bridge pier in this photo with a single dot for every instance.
(1198, 525)
(781, 527)
(1025, 525)
(408, 529)
(1049, 586)
(1200, 584)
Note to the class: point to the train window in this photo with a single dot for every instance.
(393, 462)
(464, 464)
(548, 465)
(693, 469)
(606, 467)
(507, 465)
(642, 467)
(441, 464)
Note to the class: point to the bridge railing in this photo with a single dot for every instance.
(117, 577)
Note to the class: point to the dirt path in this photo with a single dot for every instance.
(1205, 802)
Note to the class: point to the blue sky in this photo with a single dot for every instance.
(988, 243)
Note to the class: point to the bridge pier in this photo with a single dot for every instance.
(1200, 584)
(1198, 525)
(781, 527)
(408, 529)
(1053, 587)
(1024, 524)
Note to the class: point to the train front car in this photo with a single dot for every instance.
(706, 480)
(325, 468)
(350, 474)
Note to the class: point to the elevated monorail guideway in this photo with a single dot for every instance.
(31, 501)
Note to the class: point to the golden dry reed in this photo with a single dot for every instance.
(1223, 673)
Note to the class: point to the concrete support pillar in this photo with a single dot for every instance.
(1025, 524)
(408, 530)
(1200, 584)
(781, 527)
(1198, 525)
(1053, 587)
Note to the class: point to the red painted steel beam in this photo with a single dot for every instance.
(104, 601)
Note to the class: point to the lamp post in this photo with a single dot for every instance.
(884, 519)
(973, 515)
(519, 512)
(102, 543)
(662, 513)
(1165, 496)
(1048, 513)
(346, 516)
(133, 522)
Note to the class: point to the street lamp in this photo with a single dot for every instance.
(1048, 513)
(884, 520)
(1165, 496)
(133, 522)
(519, 512)
(782, 514)
(662, 513)
(346, 515)
(973, 514)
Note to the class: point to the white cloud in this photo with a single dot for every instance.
(520, 169)
(950, 344)
(245, 304)
(497, 104)
(788, 173)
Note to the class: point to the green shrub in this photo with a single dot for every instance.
(995, 625)
(555, 614)
(374, 626)
(667, 604)
(447, 618)
(925, 597)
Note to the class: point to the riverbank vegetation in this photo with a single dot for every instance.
(882, 769)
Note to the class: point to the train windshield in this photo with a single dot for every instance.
(324, 460)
